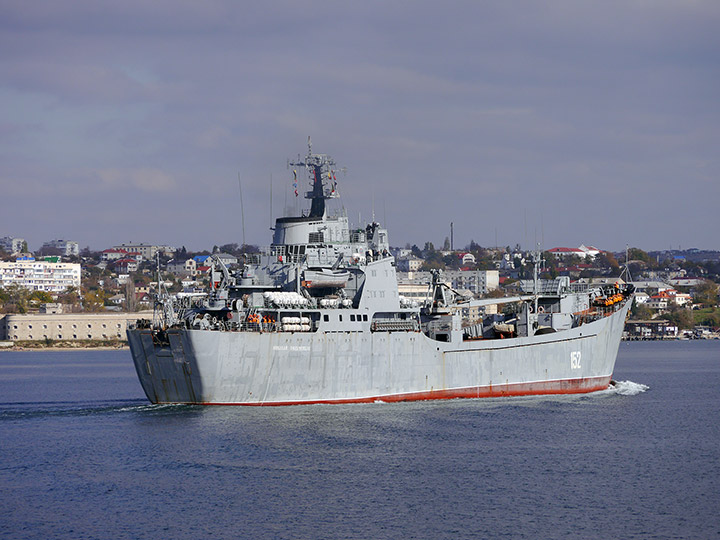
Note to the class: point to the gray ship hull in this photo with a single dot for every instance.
(285, 368)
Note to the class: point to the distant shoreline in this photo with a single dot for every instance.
(40, 346)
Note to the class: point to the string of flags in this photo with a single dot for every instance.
(331, 176)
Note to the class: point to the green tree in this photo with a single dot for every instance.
(681, 317)
(18, 298)
(94, 300)
(606, 259)
(69, 297)
(39, 297)
(641, 312)
(707, 293)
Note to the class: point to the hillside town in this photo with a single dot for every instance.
(60, 294)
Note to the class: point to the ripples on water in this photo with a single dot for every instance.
(85, 456)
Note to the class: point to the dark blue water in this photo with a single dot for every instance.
(82, 455)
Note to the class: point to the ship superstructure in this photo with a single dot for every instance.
(316, 318)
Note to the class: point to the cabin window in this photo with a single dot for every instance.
(340, 318)
(352, 318)
(326, 318)
(365, 318)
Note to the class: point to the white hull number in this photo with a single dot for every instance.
(575, 360)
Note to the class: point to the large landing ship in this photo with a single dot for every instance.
(317, 318)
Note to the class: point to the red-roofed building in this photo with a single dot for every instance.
(565, 251)
(467, 258)
(582, 252)
(659, 301)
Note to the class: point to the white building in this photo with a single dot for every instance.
(409, 264)
(12, 245)
(67, 248)
(183, 268)
(226, 258)
(584, 252)
(147, 251)
(40, 275)
(65, 327)
(113, 254)
(479, 282)
(468, 258)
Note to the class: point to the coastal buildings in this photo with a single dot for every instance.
(147, 251)
(415, 285)
(63, 247)
(11, 245)
(584, 252)
(53, 277)
(66, 326)
(182, 268)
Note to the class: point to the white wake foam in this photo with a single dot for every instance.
(628, 388)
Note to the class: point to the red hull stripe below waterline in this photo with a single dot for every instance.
(563, 386)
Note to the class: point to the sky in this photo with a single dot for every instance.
(535, 123)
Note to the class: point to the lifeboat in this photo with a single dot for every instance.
(325, 278)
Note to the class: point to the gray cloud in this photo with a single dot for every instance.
(564, 123)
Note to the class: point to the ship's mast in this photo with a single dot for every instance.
(319, 168)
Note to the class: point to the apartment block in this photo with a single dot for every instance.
(40, 275)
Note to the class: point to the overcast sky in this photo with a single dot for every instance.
(559, 122)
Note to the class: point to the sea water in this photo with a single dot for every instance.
(84, 455)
